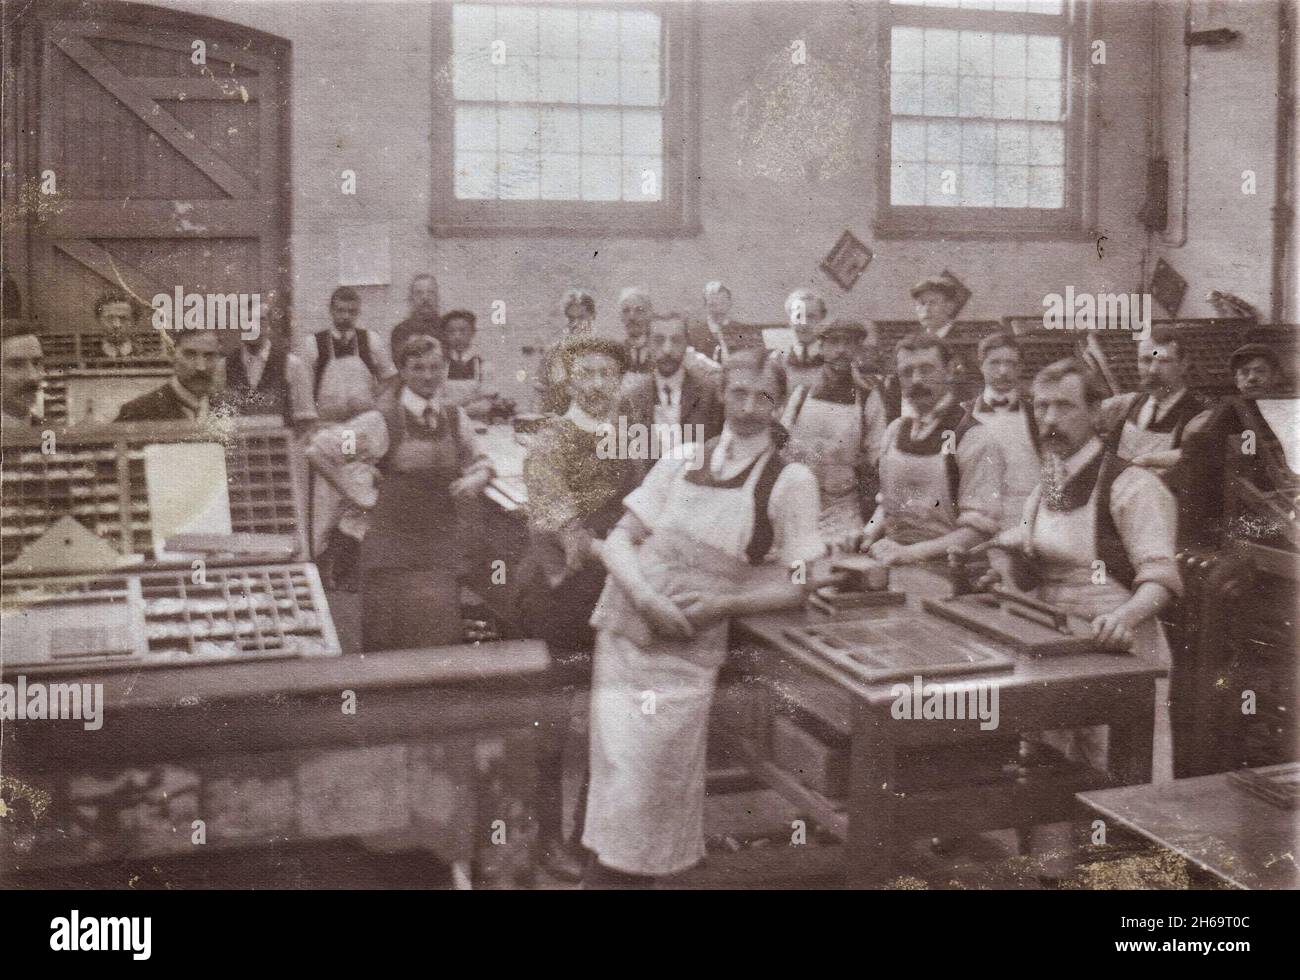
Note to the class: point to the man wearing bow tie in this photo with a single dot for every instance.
(347, 363)
(1009, 420)
(22, 364)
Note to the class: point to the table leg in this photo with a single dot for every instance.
(872, 841)
(1131, 738)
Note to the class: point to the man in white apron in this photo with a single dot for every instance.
(688, 554)
(941, 472)
(827, 426)
(1156, 418)
(1009, 419)
(1098, 540)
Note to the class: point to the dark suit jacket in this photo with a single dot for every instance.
(701, 401)
(160, 405)
(738, 335)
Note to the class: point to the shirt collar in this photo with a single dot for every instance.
(1082, 456)
(714, 327)
(674, 380)
(417, 405)
(742, 450)
(469, 354)
(1013, 396)
(584, 420)
(255, 355)
(199, 406)
(338, 335)
(923, 424)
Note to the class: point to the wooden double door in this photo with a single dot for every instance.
(144, 149)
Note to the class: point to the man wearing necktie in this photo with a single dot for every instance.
(198, 366)
(1157, 417)
(410, 556)
(676, 392)
(635, 308)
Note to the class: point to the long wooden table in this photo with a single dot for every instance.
(876, 817)
(1220, 828)
(416, 748)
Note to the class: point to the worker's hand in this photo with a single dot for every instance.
(890, 553)
(664, 616)
(470, 485)
(577, 547)
(1112, 632)
(700, 609)
(985, 582)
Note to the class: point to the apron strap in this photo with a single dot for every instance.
(760, 541)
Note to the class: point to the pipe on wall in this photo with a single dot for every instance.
(1283, 206)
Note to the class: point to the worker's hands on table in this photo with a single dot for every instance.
(1113, 631)
(890, 553)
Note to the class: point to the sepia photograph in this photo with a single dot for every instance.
(703, 445)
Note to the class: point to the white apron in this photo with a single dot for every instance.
(1064, 542)
(827, 438)
(915, 494)
(650, 697)
(1011, 432)
(346, 389)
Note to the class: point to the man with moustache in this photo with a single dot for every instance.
(675, 394)
(423, 318)
(1009, 419)
(22, 366)
(1155, 419)
(574, 498)
(1096, 540)
(198, 366)
(347, 363)
(637, 311)
(941, 472)
(828, 430)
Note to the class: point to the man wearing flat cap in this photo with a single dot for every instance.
(830, 433)
(1199, 478)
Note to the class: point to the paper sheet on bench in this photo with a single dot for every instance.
(188, 493)
(1283, 416)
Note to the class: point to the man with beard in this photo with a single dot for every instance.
(1156, 418)
(635, 308)
(22, 366)
(423, 318)
(199, 373)
(940, 471)
(575, 496)
(828, 430)
(1096, 540)
(675, 394)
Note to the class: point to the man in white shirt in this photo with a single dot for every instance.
(1009, 419)
(265, 378)
(347, 362)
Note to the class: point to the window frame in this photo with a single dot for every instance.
(1077, 219)
(676, 214)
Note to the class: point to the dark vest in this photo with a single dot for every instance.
(1190, 405)
(469, 370)
(270, 397)
(760, 541)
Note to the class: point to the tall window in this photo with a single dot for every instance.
(986, 117)
(564, 117)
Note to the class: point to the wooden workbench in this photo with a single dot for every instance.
(876, 816)
(439, 747)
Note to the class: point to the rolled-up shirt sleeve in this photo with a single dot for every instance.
(473, 457)
(981, 467)
(1146, 516)
(646, 502)
(793, 509)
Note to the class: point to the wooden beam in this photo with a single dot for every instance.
(157, 118)
(119, 273)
